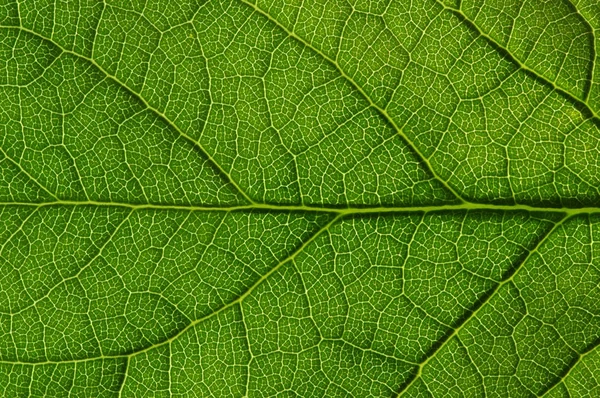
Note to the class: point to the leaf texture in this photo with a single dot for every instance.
(323, 198)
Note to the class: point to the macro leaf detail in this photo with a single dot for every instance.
(310, 198)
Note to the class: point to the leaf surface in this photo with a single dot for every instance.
(281, 198)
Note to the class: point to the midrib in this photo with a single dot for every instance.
(323, 209)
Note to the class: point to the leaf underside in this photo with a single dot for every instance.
(310, 198)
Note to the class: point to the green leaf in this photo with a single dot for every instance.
(313, 199)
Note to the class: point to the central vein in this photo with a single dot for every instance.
(326, 209)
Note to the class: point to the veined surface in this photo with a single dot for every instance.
(300, 198)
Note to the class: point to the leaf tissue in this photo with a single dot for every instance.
(318, 198)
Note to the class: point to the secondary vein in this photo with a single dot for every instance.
(148, 106)
(379, 109)
(508, 279)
